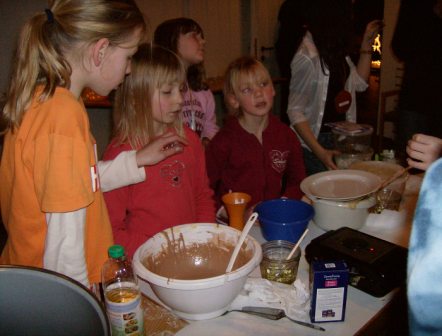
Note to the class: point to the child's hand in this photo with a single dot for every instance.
(423, 150)
(161, 148)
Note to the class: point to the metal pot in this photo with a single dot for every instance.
(36, 301)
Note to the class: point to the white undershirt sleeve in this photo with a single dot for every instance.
(64, 249)
(120, 172)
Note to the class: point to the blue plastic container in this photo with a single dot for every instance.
(284, 219)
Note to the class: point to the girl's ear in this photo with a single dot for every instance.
(99, 50)
(232, 101)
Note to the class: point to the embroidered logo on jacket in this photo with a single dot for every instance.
(279, 160)
(173, 173)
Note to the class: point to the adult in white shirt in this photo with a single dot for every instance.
(324, 79)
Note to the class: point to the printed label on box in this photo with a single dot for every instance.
(329, 304)
(329, 281)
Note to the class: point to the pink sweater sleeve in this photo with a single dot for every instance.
(210, 126)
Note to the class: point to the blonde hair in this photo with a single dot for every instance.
(245, 68)
(50, 35)
(152, 66)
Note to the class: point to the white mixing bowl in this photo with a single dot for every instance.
(332, 215)
(203, 298)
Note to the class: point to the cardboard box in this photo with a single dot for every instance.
(329, 281)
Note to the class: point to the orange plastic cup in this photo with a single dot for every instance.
(236, 205)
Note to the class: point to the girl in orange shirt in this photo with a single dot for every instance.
(51, 202)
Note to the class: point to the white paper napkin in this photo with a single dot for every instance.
(293, 299)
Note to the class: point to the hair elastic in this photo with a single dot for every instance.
(49, 15)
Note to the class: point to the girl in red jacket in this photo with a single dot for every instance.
(176, 190)
(254, 152)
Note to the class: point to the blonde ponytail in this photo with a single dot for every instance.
(48, 37)
(36, 62)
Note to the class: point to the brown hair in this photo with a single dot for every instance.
(50, 35)
(245, 67)
(168, 34)
(152, 66)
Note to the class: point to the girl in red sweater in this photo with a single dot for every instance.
(176, 190)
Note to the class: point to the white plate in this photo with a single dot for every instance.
(341, 184)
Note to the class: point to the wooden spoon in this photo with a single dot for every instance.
(393, 177)
(292, 252)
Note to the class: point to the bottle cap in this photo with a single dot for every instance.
(116, 251)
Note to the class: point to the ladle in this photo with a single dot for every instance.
(241, 239)
(292, 252)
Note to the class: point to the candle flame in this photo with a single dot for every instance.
(377, 44)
